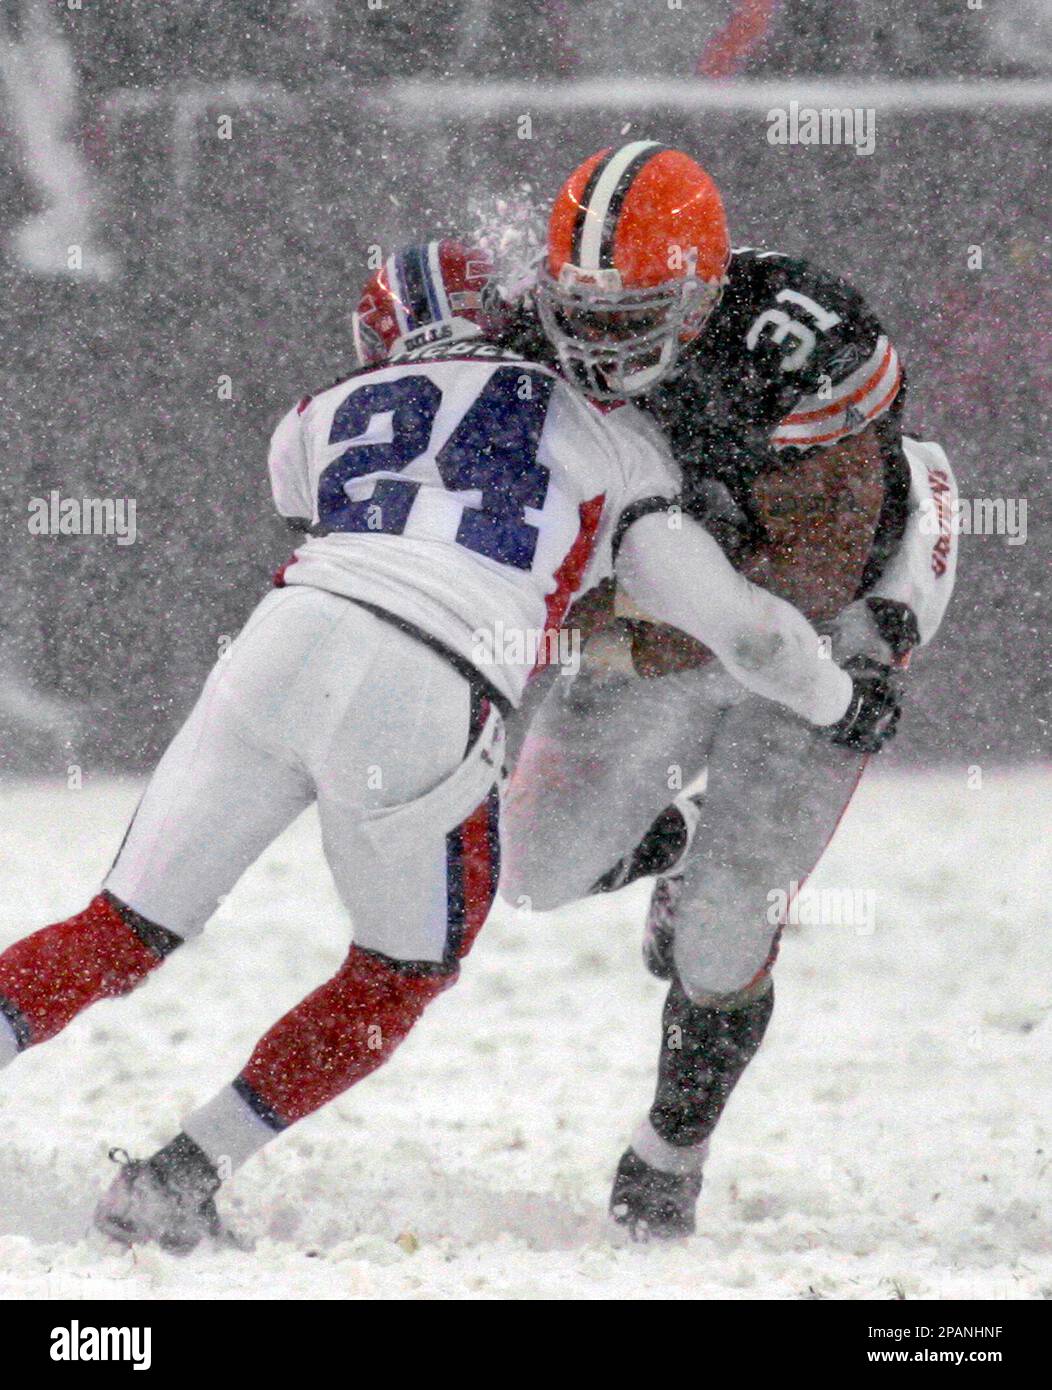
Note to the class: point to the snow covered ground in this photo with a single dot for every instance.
(894, 1138)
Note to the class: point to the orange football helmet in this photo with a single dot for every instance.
(637, 259)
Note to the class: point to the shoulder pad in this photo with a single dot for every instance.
(843, 406)
(812, 332)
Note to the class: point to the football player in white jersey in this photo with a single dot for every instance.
(454, 492)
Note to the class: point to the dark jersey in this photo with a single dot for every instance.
(791, 360)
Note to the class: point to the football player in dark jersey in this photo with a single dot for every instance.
(780, 396)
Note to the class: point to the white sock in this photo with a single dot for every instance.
(666, 1157)
(228, 1130)
(9, 1048)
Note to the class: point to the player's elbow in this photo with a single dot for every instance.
(758, 651)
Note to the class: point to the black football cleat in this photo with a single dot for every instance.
(167, 1200)
(652, 1204)
(662, 850)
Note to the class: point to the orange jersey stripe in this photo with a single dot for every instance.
(870, 414)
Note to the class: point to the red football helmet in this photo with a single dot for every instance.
(637, 259)
(439, 291)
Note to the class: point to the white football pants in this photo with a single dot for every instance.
(320, 700)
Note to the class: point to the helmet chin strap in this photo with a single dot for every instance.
(645, 377)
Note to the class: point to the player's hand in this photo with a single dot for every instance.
(876, 704)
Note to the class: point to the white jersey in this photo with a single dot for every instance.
(472, 495)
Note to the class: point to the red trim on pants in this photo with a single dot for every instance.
(481, 849)
(472, 871)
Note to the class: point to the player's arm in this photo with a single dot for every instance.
(825, 395)
(820, 514)
(834, 505)
(819, 563)
(831, 418)
(289, 470)
(680, 575)
(910, 598)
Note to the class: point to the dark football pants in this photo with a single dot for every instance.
(606, 752)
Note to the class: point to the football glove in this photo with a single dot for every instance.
(876, 704)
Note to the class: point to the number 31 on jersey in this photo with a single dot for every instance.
(781, 326)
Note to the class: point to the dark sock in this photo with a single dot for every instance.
(704, 1052)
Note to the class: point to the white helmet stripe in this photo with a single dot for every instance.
(438, 285)
(359, 342)
(397, 292)
(599, 203)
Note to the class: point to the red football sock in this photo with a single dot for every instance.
(47, 978)
(337, 1035)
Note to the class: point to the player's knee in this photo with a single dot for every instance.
(540, 864)
(529, 884)
(532, 897)
(710, 990)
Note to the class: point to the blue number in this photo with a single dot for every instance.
(413, 402)
(493, 451)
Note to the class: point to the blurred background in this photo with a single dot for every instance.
(188, 194)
